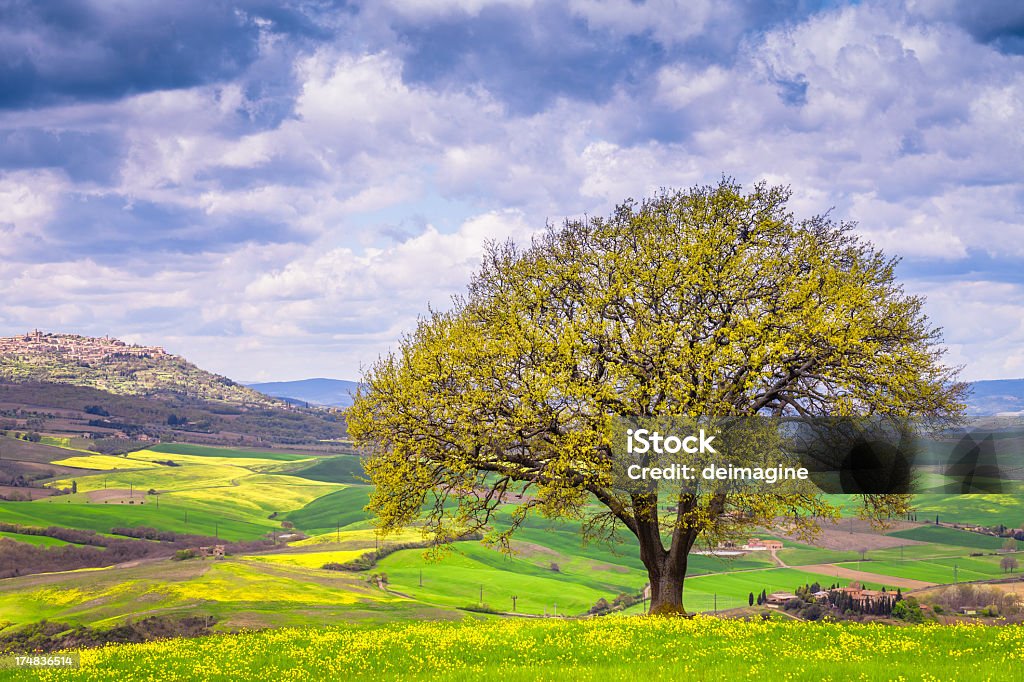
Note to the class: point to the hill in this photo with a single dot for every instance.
(116, 367)
(995, 397)
(326, 392)
(986, 397)
(116, 396)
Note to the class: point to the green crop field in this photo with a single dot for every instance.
(207, 451)
(238, 593)
(985, 510)
(343, 507)
(934, 570)
(335, 469)
(37, 540)
(615, 648)
(195, 519)
(248, 494)
(950, 536)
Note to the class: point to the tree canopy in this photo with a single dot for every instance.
(705, 301)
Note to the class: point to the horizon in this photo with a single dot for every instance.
(281, 192)
(247, 382)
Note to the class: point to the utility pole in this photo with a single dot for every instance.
(956, 574)
(421, 577)
(514, 597)
(481, 595)
(338, 535)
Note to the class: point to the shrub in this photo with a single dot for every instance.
(793, 604)
(812, 612)
(908, 610)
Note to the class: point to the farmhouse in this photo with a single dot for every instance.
(777, 599)
(757, 545)
(860, 596)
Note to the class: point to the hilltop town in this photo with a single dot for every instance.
(83, 349)
(114, 366)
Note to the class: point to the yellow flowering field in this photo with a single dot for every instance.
(613, 648)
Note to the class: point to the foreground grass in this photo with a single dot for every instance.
(701, 648)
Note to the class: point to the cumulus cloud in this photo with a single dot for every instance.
(280, 192)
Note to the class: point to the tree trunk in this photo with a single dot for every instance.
(666, 570)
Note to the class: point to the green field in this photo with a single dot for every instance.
(207, 451)
(237, 593)
(249, 494)
(614, 648)
(951, 536)
(335, 469)
(343, 507)
(985, 510)
(37, 540)
(935, 570)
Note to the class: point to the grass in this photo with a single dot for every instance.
(624, 648)
(456, 580)
(237, 593)
(950, 536)
(335, 469)
(357, 538)
(798, 556)
(326, 513)
(985, 510)
(219, 493)
(207, 451)
(37, 540)
(72, 512)
(934, 570)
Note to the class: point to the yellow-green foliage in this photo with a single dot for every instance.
(697, 303)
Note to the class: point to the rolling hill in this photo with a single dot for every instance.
(995, 397)
(326, 392)
(116, 367)
(986, 397)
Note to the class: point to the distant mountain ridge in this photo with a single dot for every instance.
(987, 397)
(320, 391)
(116, 367)
(996, 396)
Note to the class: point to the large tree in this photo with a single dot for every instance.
(708, 301)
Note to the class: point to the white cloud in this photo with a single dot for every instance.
(908, 126)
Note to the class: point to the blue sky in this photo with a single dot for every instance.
(277, 189)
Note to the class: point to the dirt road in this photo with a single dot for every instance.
(864, 576)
